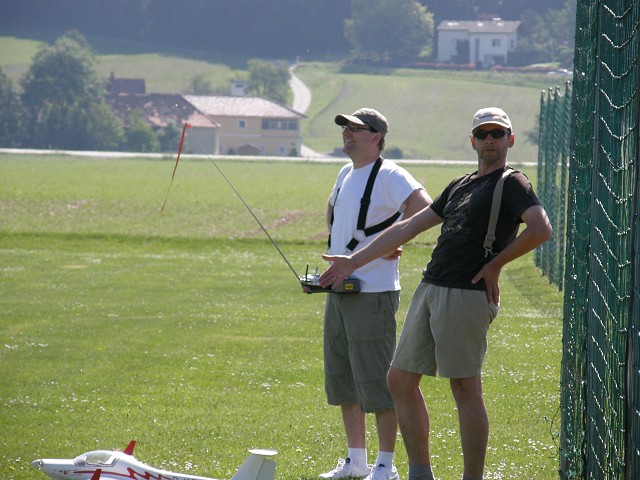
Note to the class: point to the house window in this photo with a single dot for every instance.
(276, 124)
(242, 124)
(495, 42)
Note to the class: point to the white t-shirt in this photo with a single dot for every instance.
(391, 188)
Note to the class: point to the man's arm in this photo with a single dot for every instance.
(537, 232)
(416, 201)
(344, 265)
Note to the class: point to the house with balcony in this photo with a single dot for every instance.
(482, 42)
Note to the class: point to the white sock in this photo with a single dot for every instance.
(358, 457)
(385, 458)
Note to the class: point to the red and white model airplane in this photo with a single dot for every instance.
(115, 465)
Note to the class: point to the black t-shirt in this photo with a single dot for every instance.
(459, 254)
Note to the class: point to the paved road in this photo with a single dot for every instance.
(301, 93)
(301, 102)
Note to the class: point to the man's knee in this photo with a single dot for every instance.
(466, 389)
(401, 383)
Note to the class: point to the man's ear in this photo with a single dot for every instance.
(473, 141)
(512, 139)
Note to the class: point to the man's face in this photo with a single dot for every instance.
(355, 137)
(489, 148)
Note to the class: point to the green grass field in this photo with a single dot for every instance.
(187, 332)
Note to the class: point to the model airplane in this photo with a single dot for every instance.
(113, 465)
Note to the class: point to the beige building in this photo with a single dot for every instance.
(251, 125)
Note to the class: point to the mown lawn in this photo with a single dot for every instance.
(186, 330)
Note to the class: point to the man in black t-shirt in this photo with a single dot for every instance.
(445, 331)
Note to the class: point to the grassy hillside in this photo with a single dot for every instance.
(429, 111)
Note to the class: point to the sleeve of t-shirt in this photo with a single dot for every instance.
(400, 184)
(518, 195)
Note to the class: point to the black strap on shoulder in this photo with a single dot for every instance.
(365, 201)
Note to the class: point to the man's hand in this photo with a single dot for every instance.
(491, 273)
(341, 267)
(393, 255)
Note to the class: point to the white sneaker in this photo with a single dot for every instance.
(382, 472)
(345, 469)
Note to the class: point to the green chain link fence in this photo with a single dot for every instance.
(589, 150)
(553, 163)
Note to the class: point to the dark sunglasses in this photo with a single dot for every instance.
(495, 133)
(355, 128)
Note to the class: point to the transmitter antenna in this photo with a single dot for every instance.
(249, 208)
(310, 282)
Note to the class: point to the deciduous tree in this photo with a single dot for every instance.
(10, 113)
(269, 79)
(389, 30)
(64, 98)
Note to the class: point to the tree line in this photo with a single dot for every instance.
(60, 102)
(286, 29)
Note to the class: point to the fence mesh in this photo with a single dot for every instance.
(597, 131)
(553, 162)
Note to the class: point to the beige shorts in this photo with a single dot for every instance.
(445, 332)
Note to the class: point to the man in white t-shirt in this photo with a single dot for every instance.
(360, 328)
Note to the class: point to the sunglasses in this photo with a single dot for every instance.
(355, 128)
(495, 133)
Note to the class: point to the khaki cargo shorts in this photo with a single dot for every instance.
(359, 340)
(445, 332)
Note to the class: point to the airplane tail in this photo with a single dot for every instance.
(257, 466)
(130, 447)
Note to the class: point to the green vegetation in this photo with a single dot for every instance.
(405, 25)
(429, 112)
(413, 100)
(186, 331)
(167, 73)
